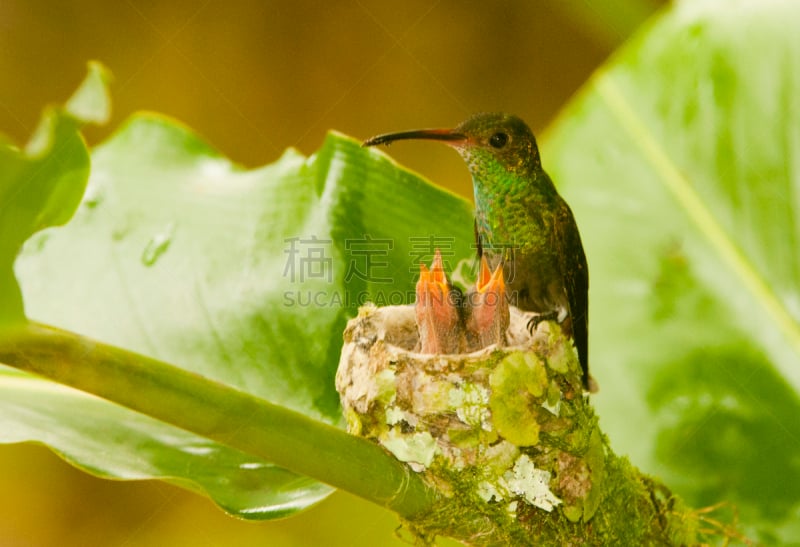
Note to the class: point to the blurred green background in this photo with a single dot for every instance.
(255, 78)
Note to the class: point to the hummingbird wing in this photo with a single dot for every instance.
(575, 273)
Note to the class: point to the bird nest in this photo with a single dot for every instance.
(485, 410)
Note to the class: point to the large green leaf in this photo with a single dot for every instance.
(680, 161)
(246, 277)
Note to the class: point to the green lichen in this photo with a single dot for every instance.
(531, 483)
(517, 383)
(560, 357)
(470, 438)
(386, 387)
(470, 404)
(394, 415)
(573, 513)
(500, 456)
(432, 395)
(596, 461)
(552, 402)
(416, 448)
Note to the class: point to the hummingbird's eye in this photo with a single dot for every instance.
(498, 140)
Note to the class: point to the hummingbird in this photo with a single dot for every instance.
(521, 222)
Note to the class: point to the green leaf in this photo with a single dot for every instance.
(110, 441)
(680, 161)
(92, 101)
(42, 185)
(244, 276)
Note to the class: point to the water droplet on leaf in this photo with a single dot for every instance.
(93, 198)
(158, 245)
(252, 465)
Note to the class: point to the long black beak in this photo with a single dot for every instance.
(448, 135)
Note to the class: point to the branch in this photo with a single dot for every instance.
(216, 411)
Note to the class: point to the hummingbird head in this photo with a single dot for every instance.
(488, 142)
(501, 139)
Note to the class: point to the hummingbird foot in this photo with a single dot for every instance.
(487, 312)
(437, 310)
(533, 322)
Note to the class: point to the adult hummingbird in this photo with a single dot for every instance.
(521, 221)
